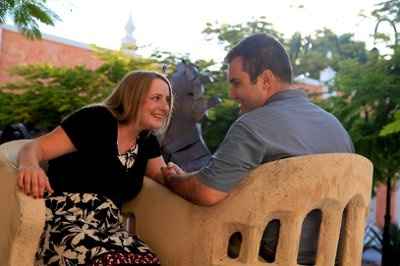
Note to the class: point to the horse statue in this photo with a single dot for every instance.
(183, 142)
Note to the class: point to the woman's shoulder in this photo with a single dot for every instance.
(146, 137)
(88, 118)
(96, 108)
(95, 112)
(149, 144)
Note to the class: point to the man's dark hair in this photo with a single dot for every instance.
(260, 52)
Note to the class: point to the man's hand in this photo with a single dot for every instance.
(172, 170)
(189, 187)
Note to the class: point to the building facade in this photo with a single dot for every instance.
(16, 49)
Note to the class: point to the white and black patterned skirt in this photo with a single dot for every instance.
(87, 229)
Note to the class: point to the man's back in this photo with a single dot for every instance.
(290, 125)
(287, 125)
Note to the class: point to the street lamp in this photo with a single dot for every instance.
(386, 228)
(391, 22)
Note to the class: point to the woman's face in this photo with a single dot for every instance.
(156, 106)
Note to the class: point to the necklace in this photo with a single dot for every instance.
(132, 146)
(129, 157)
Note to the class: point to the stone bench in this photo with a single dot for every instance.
(184, 234)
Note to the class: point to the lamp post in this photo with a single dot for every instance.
(386, 228)
(391, 22)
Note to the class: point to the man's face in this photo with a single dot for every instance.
(248, 94)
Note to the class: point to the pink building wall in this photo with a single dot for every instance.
(381, 205)
(15, 49)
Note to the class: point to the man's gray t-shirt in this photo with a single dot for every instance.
(287, 125)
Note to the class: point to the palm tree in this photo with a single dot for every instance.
(26, 15)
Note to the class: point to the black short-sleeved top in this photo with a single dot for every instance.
(95, 166)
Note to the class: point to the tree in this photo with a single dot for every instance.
(311, 54)
(26, 14)
(393, 127)
(45, 94)
(220, 117)
(368, 98)
(117, 63)
(228, 35)
(389, 9)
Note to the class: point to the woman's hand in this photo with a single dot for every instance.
(31, 178)
(33, 181)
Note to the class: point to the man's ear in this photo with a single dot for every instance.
(267, 78)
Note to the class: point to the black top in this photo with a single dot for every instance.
(95, 166)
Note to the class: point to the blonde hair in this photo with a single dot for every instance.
(127, 97)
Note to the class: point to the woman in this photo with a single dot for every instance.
(97, 159)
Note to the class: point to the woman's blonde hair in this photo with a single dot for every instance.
(127, 97)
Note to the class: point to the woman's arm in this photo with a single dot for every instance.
(157, 169)
(153, 169)
(32, 178)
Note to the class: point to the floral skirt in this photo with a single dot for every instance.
(87, 229)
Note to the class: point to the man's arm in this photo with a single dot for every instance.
(241, 151)
(190, 188)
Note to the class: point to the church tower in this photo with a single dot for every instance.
(128, 43)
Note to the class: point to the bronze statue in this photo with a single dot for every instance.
(183, 143)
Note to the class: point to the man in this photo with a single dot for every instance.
(276, 122)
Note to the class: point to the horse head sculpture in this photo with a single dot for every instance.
(183, 143)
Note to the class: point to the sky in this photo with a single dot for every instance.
(177, 25)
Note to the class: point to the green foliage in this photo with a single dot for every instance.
(169, 60)
(218, 123)
(117, 64)
(220, 117)
(26, 14)
(390, 9)
(204, 65)
(45, 94)
(309, 54)
(7, 105)
(368, 98)
(393, 127)
(228, 35)
(313, 53)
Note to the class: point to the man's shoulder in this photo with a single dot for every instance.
(263, 114)
(256, 123)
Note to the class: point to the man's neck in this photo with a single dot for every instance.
(279, 87)
(283, 86)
